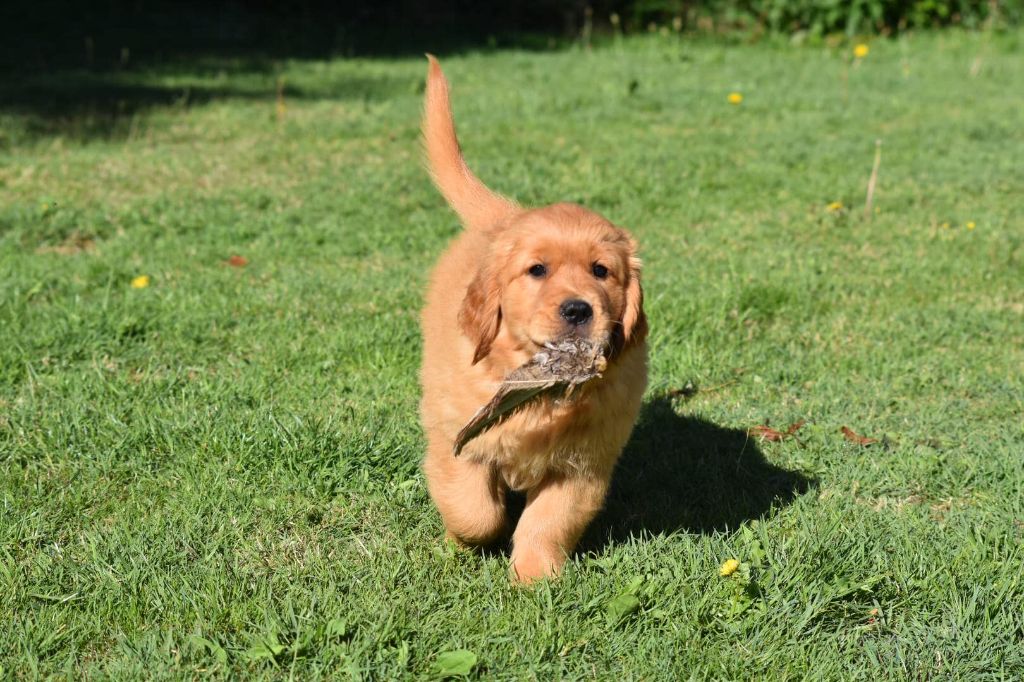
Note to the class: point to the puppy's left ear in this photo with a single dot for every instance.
(634, 320)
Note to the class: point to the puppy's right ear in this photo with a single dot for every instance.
(633, 327)
(480, 316)
(477, 206)
(634, 319)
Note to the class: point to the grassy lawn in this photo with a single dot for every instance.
(218, 473)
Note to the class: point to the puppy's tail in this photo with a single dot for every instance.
(477, 206)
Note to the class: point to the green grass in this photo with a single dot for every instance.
(219, 474)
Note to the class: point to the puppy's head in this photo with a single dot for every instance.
(553, 273)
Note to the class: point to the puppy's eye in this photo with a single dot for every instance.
(599, 270)
(537, 270)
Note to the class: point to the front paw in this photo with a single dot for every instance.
(531, 564)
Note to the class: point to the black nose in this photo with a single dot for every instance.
(576, 311)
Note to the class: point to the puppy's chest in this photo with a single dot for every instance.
(541, 439)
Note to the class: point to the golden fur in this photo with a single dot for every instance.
(486, 314)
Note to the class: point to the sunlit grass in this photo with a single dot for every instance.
(217, 471)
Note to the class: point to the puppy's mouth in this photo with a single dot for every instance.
(575, 335)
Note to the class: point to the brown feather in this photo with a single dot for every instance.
(555, 372)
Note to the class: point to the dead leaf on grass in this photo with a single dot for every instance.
(765, 432)
(853, 437)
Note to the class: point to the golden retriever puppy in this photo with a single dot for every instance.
(515, 279)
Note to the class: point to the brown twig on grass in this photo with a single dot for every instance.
(690, 390)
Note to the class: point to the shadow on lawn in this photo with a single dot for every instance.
(85, 70)
(85, 105)
(686, 474)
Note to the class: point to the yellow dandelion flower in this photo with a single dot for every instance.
(728, 567)
(140, 282)
(861, 51)
(734, 98)
(971, 225)
(944, 226)
(834, 206)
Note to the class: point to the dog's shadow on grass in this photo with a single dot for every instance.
(685, 474)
